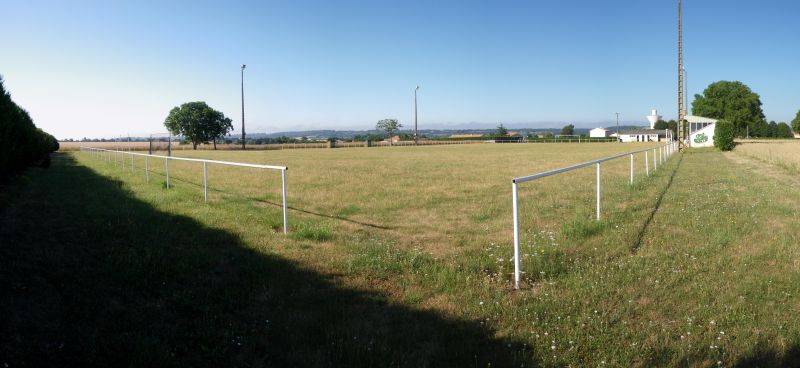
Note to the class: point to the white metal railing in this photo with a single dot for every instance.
(119, 157)
(660, 155)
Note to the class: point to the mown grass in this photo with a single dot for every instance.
(694, 265)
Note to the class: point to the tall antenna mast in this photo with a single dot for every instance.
(681, 100)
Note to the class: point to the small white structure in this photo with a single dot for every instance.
(643, 135)
(598, 133)
(653, 118)
(701, 131)
(698, 122)
(703, 137)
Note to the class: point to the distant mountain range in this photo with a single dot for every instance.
(329, 133)
(445, 131)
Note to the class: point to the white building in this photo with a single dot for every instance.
(643, 135)
(701, 131)
(599, 133)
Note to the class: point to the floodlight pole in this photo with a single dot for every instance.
(617, 125)
(416, 131)
(243, 134)
(681, 101)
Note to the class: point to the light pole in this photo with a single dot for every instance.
(416, 132)
(617, 125)
(243, 134)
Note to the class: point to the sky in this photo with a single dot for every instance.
(116, 68)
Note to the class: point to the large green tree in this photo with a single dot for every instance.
(783, 131)
(389, 126)
(731, 101)
(796, 123)
(568, 130)
(198, 122)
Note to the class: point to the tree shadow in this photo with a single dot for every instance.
(92, 276)
(768, 357)
(278, 205)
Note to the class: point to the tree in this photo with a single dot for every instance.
(501, 131)
(731, 101)
(772, 129)
(783, 131)
(796, 123)
(667, 125)
(568, 130)
(724, 133)
(389, 126)
(198, 123)
(673, 126)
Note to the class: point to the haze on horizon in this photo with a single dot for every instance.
(97, 69)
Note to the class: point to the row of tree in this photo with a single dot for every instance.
(737, 104)
(21, 143)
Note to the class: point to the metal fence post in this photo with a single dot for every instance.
(166, 169)
(205, 182)
(516, 233)
(146, 169)
(646, 164)
(598, 191)
(631, 168)
(283, 192)
(655, 162)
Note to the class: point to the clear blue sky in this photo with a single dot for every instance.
(110, 68)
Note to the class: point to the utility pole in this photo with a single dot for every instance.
(681, 100)
(617, 125)
(416, 132)
(243, 134)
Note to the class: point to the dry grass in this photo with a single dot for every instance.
(782, 153)
(439, 199)
(706, 275)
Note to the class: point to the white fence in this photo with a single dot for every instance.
(659, 155)
(119, 156)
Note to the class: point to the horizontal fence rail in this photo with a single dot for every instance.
(659, 154)
(119, 156)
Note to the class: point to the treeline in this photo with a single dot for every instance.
(21, 143)
(736, 103)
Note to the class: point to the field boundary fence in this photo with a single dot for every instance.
(659, 155)
(119, 157)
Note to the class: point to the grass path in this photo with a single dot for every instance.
(704, 273)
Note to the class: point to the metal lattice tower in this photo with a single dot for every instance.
(681, 100)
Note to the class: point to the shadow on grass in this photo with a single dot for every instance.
(92, 276)
(276, 204)
(649, 220)
(771, 358)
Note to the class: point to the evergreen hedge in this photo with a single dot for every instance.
(21, 143)
(724, 133)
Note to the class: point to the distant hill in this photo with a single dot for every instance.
(328, 133)
(472, 128)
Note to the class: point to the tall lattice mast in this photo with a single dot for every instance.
(681, 100)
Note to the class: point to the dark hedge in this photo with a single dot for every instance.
(21, 143)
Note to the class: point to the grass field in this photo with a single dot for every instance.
(783, 153)
(401, 257)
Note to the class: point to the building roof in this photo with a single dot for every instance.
(600, 129)
(643, 132)
(699, 119)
